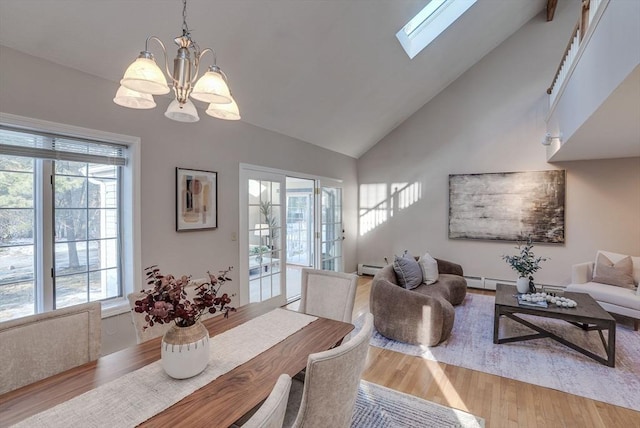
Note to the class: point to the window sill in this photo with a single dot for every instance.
(115, 307)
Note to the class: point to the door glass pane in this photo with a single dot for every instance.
(264, 229)
(17, 234)
(299, 231)
(254, 192)
(332, 232)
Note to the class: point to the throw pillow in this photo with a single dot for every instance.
(408, 271)
(620, 273)
(429, 267)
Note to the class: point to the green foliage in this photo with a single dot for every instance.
(259, 249)
(526, 263)
(266, 209)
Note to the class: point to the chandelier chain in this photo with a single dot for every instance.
(185, 27)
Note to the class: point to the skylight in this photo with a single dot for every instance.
(429, 23)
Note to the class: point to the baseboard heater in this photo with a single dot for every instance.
(368, 269)
(490, 283)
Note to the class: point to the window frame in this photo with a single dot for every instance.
(129, 213)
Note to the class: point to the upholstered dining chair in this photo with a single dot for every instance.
(271, 412)
(158, 329)
(328, 294)
(328, 394)
(42, 345)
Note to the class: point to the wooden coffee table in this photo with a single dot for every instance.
(589, 315)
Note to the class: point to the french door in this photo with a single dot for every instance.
(332, 232)
(287, 222)
(261, 250)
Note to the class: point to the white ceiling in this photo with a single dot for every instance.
(328, 72)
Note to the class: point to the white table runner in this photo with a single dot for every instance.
(143, 393)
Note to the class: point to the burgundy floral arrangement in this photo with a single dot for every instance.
(168, 301)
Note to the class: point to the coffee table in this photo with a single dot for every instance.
(589, 316)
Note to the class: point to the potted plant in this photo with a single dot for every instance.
(258, 252)
(526, 264)
(185, 346)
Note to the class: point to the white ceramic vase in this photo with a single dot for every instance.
(185, 351)
(523, 284)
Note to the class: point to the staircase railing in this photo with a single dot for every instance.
(589, 10)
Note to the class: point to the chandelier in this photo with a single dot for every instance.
(143, 79)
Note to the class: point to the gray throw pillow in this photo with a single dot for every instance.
(620, 273)
(408, 271)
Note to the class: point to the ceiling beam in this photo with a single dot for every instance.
(551, 9)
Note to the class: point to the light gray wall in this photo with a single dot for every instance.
(492, 120)
(40, 89)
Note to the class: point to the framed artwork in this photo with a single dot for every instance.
(508, 206)
(196, 199)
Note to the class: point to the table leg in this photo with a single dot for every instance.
(611, 345)
(496, 324)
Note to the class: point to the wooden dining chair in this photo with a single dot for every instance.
(271, 412)
(329, 391)
(142, 335)
(328, 294)
(42, 345)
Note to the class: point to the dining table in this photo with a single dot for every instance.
(219, 403)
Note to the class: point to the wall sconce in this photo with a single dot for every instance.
(548, 138)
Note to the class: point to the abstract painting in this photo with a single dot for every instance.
(508, 206)
(196, 199)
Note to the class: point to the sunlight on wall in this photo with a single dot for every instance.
(373, 206)
(381, 201)
(404, 194)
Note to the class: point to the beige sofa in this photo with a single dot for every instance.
(614, 299)
(422, 316)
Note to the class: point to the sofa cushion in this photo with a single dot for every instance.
(615, 295)
(456, 285)
(618, 273)
(439, 292)
(407, 271)
(615, 257)
(429, 267)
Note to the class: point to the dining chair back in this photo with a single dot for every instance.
(331, 384)
(142, 334)
(328, 294)
(42, 345)
(271, 413)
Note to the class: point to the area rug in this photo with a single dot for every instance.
(378, 407)
(542, 362)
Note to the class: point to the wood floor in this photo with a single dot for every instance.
(501, 402)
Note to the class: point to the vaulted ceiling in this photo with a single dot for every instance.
(330, 73)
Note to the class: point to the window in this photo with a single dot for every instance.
(63, 212)
(429, 23)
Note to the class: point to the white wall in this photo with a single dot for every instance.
(609, 57)
(492, 120)
(40, 89)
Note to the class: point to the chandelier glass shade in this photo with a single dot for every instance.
(144, 75)
(227, 111)
(212, 88)
(182, 112)
(127, 98)
(144, 78)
